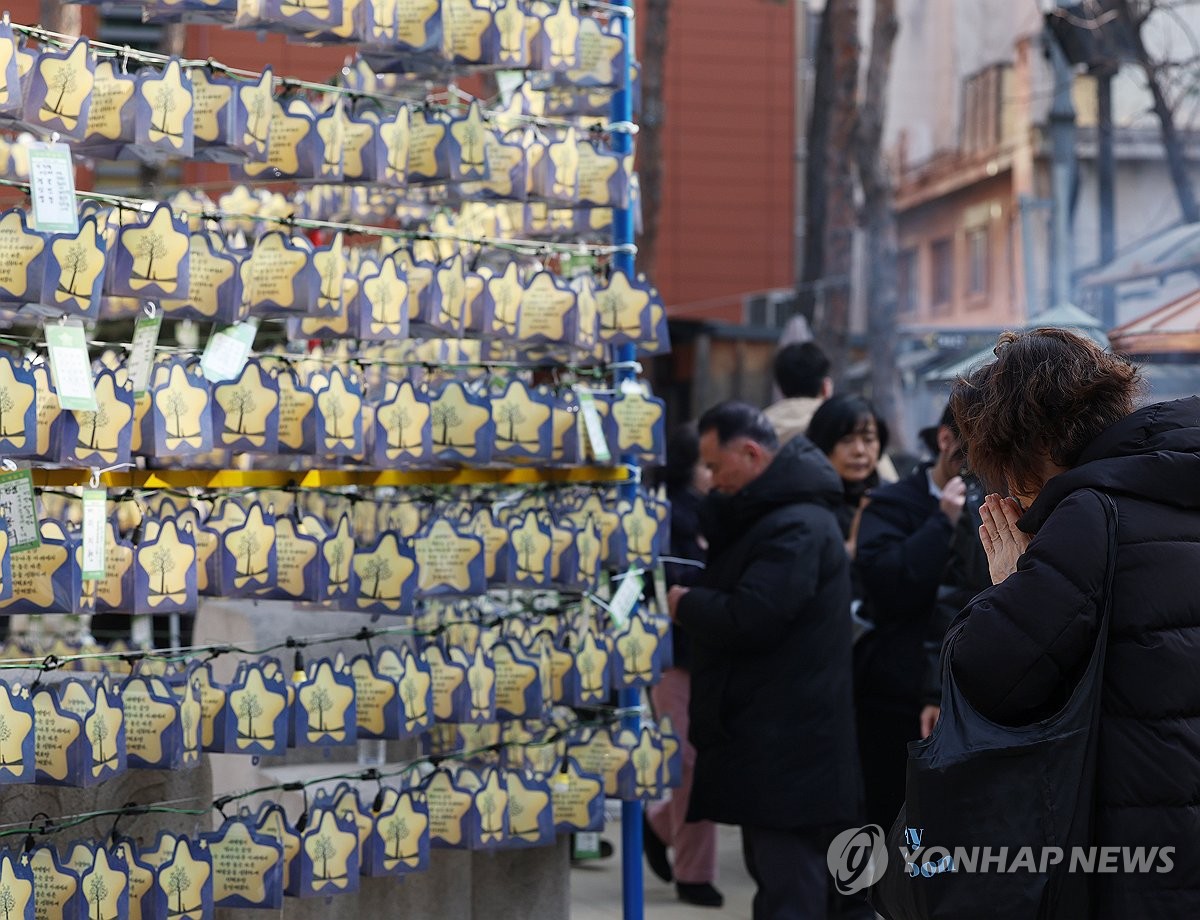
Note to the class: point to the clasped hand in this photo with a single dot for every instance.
(1003, 541)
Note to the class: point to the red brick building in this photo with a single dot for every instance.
(728, 214)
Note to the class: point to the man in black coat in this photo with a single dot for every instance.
(771, 708)
(904, 544)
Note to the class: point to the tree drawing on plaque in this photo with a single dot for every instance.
(241, 401)
(152, 245)
(510, 414)
(90, 420)
(258, 106)
(634, 648)
(249, 708)
(641, 763)
(174, 407)
(97, 891)
(7, 404)
(177, 883)
(587, 667)
(65, 80)
(8, 903)
(74, 261)
(636, 528)
(510, 23)
(164, 104)
(383, 298)
(320, 702)
(161, 563)
(453, 291)
(323, 849)
(331, 278)
(379, 569)
(507, 298)
(396, 419)
(5, 735)
(334, 410)
(395, 832)
(245, 548)
(395, 135)
(487, 810)
(562, 30)
(187, 722)
(609, 302)
(447, 417)
(99, 735)
(525, 547)
(411, 695)
(478, 685)
(337, 559)
(471, 137)
(515, 811)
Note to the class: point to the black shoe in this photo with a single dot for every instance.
(656, 852)
(700, 894)
(606, 849)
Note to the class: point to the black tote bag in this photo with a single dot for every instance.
(976, 784)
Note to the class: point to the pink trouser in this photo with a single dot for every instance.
(695, 844)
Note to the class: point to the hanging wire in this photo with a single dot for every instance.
(552, 735)
(525, 247)
(62, 40)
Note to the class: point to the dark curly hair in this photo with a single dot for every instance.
(1048, 394)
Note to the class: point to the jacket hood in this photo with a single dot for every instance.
(1154, 453)
(790, 417)
(799, 473)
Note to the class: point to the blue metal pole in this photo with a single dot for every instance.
(631, 812)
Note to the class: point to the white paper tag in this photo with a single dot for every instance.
(71, 367)
(227, 352)
(18, 511)
(52, 188)
(141, 352)
(95, 534)
(592, 424)
(626, 598)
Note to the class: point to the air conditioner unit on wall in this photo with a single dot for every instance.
(769, 308)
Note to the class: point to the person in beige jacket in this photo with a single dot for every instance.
(802, 375)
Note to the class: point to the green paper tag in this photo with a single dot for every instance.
(227, 352)
(587, 845)
(52, 189)
(626, 598)
(141, 352)
(19, 511)
(71, 367)
(95, 533)
(592, 424)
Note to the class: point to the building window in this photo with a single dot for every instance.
(942, 253)
(984, 117)
(977, 261)
(906, 281)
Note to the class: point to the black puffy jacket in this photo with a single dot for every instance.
(771, 709)
(903, 546)
(1027, 640)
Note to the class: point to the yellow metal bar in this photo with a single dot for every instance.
(312, 479)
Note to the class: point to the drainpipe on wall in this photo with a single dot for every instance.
(1062, 172)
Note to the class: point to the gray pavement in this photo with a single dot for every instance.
(596, 886)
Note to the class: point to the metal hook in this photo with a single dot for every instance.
(94, 480)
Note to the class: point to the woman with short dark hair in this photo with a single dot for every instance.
(853, 436)
(1052, 420)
